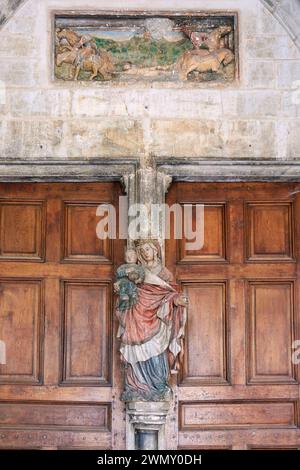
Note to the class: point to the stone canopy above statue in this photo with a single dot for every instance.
(146, 47)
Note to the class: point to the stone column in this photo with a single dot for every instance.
(145, 425)
(146, 190)
(145, 421)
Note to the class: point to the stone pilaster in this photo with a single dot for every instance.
(146, 189)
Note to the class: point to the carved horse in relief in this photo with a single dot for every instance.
(97, 64)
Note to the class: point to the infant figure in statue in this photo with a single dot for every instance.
(128, 276)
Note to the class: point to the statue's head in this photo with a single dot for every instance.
(148, 250)
(131, 256)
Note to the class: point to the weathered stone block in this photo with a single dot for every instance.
(3, 99)
(288, 74)
(40, 103)
(17, 45)
(282, 132)
(43, 139)
(249, 139)
(291, 103)
(251, 103)
(95, 103)
(109, 138)
(186, 138)
(260, 74)
(293, 151)
(12, 139)
(193, 104)
(271, 47)
(19, 72)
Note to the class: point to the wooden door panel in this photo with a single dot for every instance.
(237, 415)
(58, 386)
(67, 416)
(239, 439)
(206, 349)
(214, 247)
(21, 329)
(271, 332)
(86, 333)
(22, 230)
(259, 402)
(85, 247)
(270, 231)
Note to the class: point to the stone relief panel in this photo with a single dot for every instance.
(146, 47)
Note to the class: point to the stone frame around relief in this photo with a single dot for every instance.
(170, 74)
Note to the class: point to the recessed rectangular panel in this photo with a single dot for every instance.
(271, 332)
(213, 248)
(86, 333)
(205, 340)
(68, 416)
(84, 239)
(148, 46)
(237, 415)
(269, 231)
(21, 323)
(22, 234)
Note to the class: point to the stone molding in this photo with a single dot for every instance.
(160, 174)
(65, 171)
(211, 170)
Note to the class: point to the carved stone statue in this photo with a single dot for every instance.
(152, 317)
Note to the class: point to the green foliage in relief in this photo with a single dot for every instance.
(144, 52)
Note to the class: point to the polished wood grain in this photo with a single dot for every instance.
(237, 370)
(86, 333)
(232, 415)
(206, 358)
(270, 231)
(271, 331)
(22, 230)
(21, 328)
(214, 248)
(85, 248)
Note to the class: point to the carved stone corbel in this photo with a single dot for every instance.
(147, 188)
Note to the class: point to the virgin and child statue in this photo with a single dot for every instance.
(151, 314)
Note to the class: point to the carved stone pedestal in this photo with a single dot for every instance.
(145, 425)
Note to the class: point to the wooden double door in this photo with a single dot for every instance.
(61, 381)
(239, 388)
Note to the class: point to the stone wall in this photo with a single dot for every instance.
(256, 118)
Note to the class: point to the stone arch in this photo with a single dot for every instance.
(287, 12)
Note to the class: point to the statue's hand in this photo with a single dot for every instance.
(181, 300)
(133, 276)
(116, 287)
